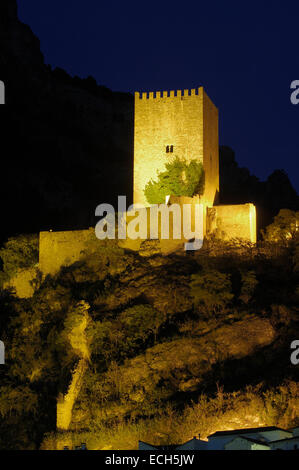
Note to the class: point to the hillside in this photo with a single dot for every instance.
(167, 347)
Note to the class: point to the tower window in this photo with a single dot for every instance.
(169, 149)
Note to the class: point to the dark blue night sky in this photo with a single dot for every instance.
(245, 54)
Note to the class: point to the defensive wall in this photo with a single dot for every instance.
(233, 221)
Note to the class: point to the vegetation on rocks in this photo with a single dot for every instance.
(173, 346)
(18, 253)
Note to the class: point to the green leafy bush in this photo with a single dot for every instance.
(179, 179)
(284, 227)
(140, 321)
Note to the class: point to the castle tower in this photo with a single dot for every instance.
(175, 124)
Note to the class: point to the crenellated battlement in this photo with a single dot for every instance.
(152, 95)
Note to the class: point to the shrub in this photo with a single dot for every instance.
(284, 227)
(179, 179)
(211, 289)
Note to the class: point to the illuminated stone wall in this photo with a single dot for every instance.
(233, 221)
(57, 249)
(210, 151)
(172, 244)
(188, 120)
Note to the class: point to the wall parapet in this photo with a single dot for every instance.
(151, 95)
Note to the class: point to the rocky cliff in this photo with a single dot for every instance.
(66, 143)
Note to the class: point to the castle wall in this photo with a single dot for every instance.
(171, 244)
(57, 249)
(233, 221)
(183, 119)
(211, 151)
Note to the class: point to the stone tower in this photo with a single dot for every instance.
(175, 124)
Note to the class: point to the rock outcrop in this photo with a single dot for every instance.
(66, 142)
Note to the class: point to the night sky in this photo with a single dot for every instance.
(245, 54)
